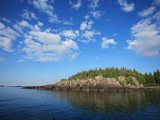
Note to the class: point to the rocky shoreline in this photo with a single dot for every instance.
(99, 83)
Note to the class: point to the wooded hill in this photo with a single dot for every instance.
(145, 79)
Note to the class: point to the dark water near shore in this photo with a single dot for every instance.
(28, 104)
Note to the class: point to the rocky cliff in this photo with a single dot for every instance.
(99, 83)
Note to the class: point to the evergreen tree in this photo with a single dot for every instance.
(115, 72)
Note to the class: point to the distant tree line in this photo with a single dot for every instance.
(116, 72)
(152, 78)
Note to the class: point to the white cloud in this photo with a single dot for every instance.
(125, 6)
(67, 22)
(44, 37)
(93, 9)
(36, 27)
(88, 35)
(106, 42)
(86, 25)
(24, 23)
(44, 6)
(147, 38)
(6, 20)
(83, 25)
(147, 12)
(86, 17)
(47, 46)
(7, 32)
(157, 18)
(115, 34)
(96, 14)
(77, 5)
(77, 32)
(7, 35)
(19, 26)
(2, 26)
(28, 15)
(6, 44)
(54, 18)
(93, 4)
(70, 34)
(156, 2)
(40, 24)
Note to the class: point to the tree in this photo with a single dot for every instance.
(158, 76)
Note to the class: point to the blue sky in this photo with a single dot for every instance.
(43, 41)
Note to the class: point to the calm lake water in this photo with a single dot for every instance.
(31, 104)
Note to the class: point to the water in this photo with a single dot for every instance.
(30, 104)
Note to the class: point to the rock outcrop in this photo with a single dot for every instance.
(98, 84)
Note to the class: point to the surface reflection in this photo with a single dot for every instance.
(32, 104)
(104, 102)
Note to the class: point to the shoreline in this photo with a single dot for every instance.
(99, 83)
(111, 89)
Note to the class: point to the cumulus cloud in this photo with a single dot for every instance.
(93, 4)
(28, 15)
(147, 38)
(147, 12)
(19, 26)
(125, 6)
(6, 44)
(88, 36)
(44, 6)
(2, 26)
(96, 14)
(106, 42)
(6, 20)
(46, 46)
(65, 22)
(86, 25)
(24, 23)
(7, 35)
(40, 24)
(86, 33)
(45, 37)
(70, 33)
(76, 5)
(86, 17)
(157, 18)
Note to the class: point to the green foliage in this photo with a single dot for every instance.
(151, 85)
(156, 76)
(121, 83)
(130, 81)
(107, 72)
(112, 72)
(152, 79)
(63, 80)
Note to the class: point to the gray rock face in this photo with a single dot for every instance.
(98, 84)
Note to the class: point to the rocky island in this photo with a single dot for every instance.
(108, 79)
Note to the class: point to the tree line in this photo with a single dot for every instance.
(152, 78)
(116, 72)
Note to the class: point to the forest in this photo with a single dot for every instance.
(147, 79)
